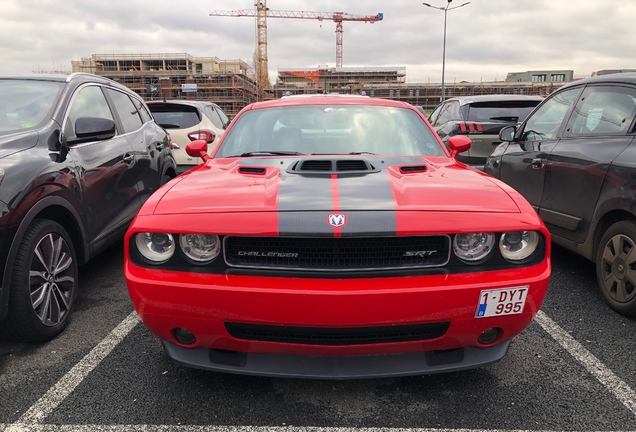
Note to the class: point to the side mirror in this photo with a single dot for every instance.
(92, 129)
(508, 133)
(458, 144)
(198, 148)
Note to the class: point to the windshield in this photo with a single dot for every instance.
(25, 104)
(330, 129)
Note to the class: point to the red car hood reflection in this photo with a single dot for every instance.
(268, 184)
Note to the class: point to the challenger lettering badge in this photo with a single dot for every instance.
(337, 219)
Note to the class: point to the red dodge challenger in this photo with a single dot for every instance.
(335, 237)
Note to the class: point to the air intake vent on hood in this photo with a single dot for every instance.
(251, 170)
(352, 165)
(346, 165)
(315, 165)
(413, 169)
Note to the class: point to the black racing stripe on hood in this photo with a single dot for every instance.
(303, 203)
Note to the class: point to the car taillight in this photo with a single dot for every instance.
(206, 135)
(467, 128)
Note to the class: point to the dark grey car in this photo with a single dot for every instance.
(574, 160)
(481, 118)
(79, 155)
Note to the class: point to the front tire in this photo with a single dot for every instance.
(616, 267)
(43, 284)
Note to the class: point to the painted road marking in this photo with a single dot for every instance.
(56, 394)
(31, 420)
(609, 379)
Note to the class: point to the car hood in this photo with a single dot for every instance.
(17, 141)
(278, 185)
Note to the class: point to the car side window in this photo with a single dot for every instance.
(445, 114)
(604, 111)
(143, 112)
(546, 121)
(224, 119)
(128, 113)
(433, 117)
(89, 101)
(213, 116)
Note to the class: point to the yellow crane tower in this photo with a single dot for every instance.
(262, 12)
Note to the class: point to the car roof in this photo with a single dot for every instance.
(615, 78)
(463, 100)
(180, 102)
(74, 77)
(328, 99)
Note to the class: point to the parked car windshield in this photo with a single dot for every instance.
(330, 129)
(25, 104)
(508, 111)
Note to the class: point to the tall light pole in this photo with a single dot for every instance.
(445, 9)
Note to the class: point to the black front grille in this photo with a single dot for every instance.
(337, 254)
(337, 336)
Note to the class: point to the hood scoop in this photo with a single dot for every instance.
(332, 166)
(412, 169)
(251, 170)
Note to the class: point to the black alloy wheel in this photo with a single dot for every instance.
(616, 267)
(43, 285)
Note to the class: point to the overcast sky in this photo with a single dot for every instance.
(485, 39)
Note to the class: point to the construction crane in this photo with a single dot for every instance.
(262, 12)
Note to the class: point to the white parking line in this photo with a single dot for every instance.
(612, 383)
(31, 420)
(56, 394)
(177, 428)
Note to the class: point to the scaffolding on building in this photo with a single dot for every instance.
(390, 83)
(230, 84)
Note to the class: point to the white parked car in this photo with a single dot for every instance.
(187, 121)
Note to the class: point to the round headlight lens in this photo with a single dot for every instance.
(200, 248)
(518, 245)
(155, 247)
(473, 247)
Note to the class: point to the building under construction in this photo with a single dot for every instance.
(390, 83)
(232, 83)
(229, 83)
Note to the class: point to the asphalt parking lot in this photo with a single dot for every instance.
(572, 369)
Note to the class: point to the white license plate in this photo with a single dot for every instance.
(505, 301)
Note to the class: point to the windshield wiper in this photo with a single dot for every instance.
(361, 153)
(268, 153)
(506, 118)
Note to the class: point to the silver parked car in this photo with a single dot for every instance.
(481, 118)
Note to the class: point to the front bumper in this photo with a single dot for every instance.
(330, 367)
(204, 303)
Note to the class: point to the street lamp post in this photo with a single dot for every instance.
(445, 9)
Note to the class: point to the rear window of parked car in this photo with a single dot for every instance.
(508, 111)
(175, 116)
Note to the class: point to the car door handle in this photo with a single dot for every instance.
(129, 158)
(537, 163)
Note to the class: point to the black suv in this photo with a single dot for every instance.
(574, 159)
(480, 117)
(79, 154)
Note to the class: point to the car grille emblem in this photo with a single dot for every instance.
(337, 219)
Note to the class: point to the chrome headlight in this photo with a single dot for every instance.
(473, 247)
(200, 248)
(155, 247)
(518, 245)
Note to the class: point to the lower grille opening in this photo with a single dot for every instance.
(337, 336)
